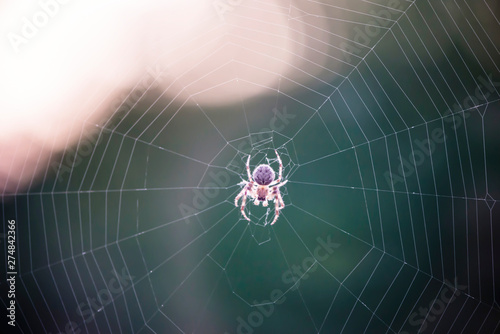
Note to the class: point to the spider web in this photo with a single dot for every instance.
(390, 218)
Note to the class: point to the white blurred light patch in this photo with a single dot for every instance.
(63, 78)
(57, 79)
(254, 42)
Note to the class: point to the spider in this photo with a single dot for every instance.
(262, 188)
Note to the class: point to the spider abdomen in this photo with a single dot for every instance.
(263, 175)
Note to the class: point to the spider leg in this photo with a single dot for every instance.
(248, 168)
(281, 167)
(274, 184)
(242, 192)
(277, 209)
(278, 202)
(281, 184)
(243, 201)
(248, 190)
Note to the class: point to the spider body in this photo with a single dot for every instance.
(262, 187)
